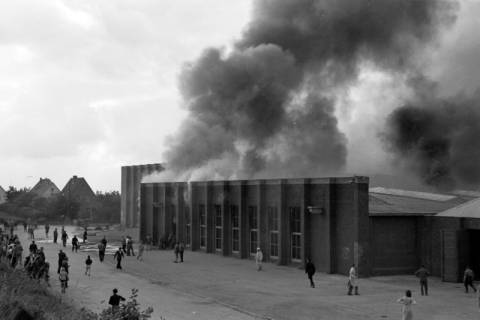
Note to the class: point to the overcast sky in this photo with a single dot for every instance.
(88, 86)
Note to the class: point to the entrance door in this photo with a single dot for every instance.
(454, 253)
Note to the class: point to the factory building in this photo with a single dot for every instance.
(289, 219)
(130, 191)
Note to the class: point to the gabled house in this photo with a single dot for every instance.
(45, 188)
(3, 195)
(78, 190)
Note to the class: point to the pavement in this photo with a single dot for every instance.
(209, 286)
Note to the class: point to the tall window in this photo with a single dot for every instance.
(296, 233)
(188, 226)
(253, 226)
(218, 227)
(203, 226)
(274, 227)
(235, 218)
(173, 216)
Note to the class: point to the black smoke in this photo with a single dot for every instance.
(266, 108)
(438, 139)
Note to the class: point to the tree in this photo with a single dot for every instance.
(108, 206)
(130, 310)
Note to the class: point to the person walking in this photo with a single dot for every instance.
(55, 235)
(407, 302)
(423, 274)
(101, 251)
(64, 238)
(114, 301)
(259, 259)
(181, 249)
(118, 256)
(141, 249)
(468, 277)
(85, 234)
(63, 277)
(88, 266)
(130, 246)
(176, 250)
(61, 257)
(124, 245)
(75, 244)
(310, 271)
(104, 242)
(352, 280)
(47, 229)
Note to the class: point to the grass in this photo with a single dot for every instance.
(20, 295)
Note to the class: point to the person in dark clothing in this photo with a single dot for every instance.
(33, 247)
(101, 252)
(104, 242)
(423, 274)
(468, 277)
(181, 249)
(85, 234)
(310, 271)
(55, 235)
(64, 238)
(47, 229)
(75, 244)
(88, 266)
(118, 255)
(61, 257)
(176, 250)
(114, 300)
(124, 245)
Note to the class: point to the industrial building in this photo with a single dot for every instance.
(289, 219)
(130, 191)
(335, 221)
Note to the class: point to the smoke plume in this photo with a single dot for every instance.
(438, 138)
(267, 106)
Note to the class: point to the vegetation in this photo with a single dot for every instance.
(24, 298)
(25, 205)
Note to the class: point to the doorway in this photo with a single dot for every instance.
(473, 252)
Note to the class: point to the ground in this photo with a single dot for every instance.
(208, 286)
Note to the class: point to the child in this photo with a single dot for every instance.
(63, 277)
(88, 264)
(407, 302)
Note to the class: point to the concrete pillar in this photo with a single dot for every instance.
(226, 229)
(193, 204)
(210, 212)
(262, 219)
(243, 216)
(284, 234)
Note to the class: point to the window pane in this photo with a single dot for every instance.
(274, 244)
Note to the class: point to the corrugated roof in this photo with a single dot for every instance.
(413, 194)
(470, 209)
(394, 205)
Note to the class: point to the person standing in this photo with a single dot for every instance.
(101, 251)
(407, 302)
(47, 229)
(88, 266)
(124, 245)
(104, 242)
(114, 301)
(468, 277)
(141, 248)
(118, 255)
(55, 235)
(64, 238)
(259, 259)
(181, 249)
(63, 277)
(310, 271)
(85, 234)
(33, 247)
(423, 274)
(130, 246)
(176, 250)
(352, 280)
(75, 243)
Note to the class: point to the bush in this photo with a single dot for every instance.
(128, 311)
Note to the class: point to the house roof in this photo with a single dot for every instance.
(45, 188)
(78, 188)
(396, 202)
(470, 209)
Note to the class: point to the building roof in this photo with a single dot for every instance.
(3, 195)
(470, 209)
(45, 188)
(396, 202)
(78, 188)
